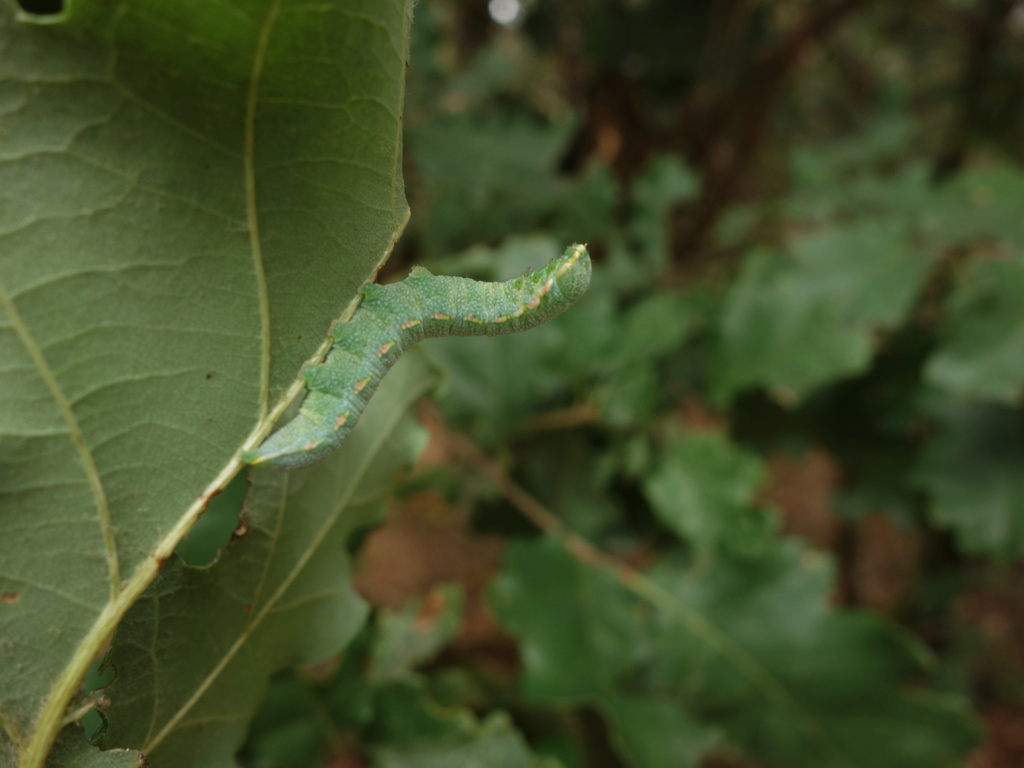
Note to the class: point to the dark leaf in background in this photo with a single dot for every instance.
(981, 354)
(972, 471)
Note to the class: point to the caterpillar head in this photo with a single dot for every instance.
(572, 273)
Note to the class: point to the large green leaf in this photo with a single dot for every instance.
(189, 193)
(193, 655)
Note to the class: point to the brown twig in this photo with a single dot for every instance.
(567, 418)
(984, 31)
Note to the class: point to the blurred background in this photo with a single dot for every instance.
(758, 499)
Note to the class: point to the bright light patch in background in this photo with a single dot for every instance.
(505, 12)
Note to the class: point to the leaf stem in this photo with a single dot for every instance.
(566, 418)
(77, 714)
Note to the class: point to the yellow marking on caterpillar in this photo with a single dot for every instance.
(534, 302)
(385, 348)
(311, 445)
(439, 316)
(340, 421)
(410, 324)
(361, 384)
(571, 262)
(519, 312)
(473, 319)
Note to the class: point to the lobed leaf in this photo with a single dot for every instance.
(793, 323)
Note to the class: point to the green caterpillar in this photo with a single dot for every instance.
(390, 319)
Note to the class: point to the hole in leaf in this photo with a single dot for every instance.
(42, 7)
(216, 525)
(97, 676)
(94, 723)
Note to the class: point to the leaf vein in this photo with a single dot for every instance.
(252, 212)
(76, 435)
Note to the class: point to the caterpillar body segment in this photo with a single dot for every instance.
(392, 318)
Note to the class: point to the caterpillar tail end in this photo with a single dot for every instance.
(290, 448)
(257, 457)
(282, 461)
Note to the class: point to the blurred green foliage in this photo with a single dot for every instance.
(806, 220)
